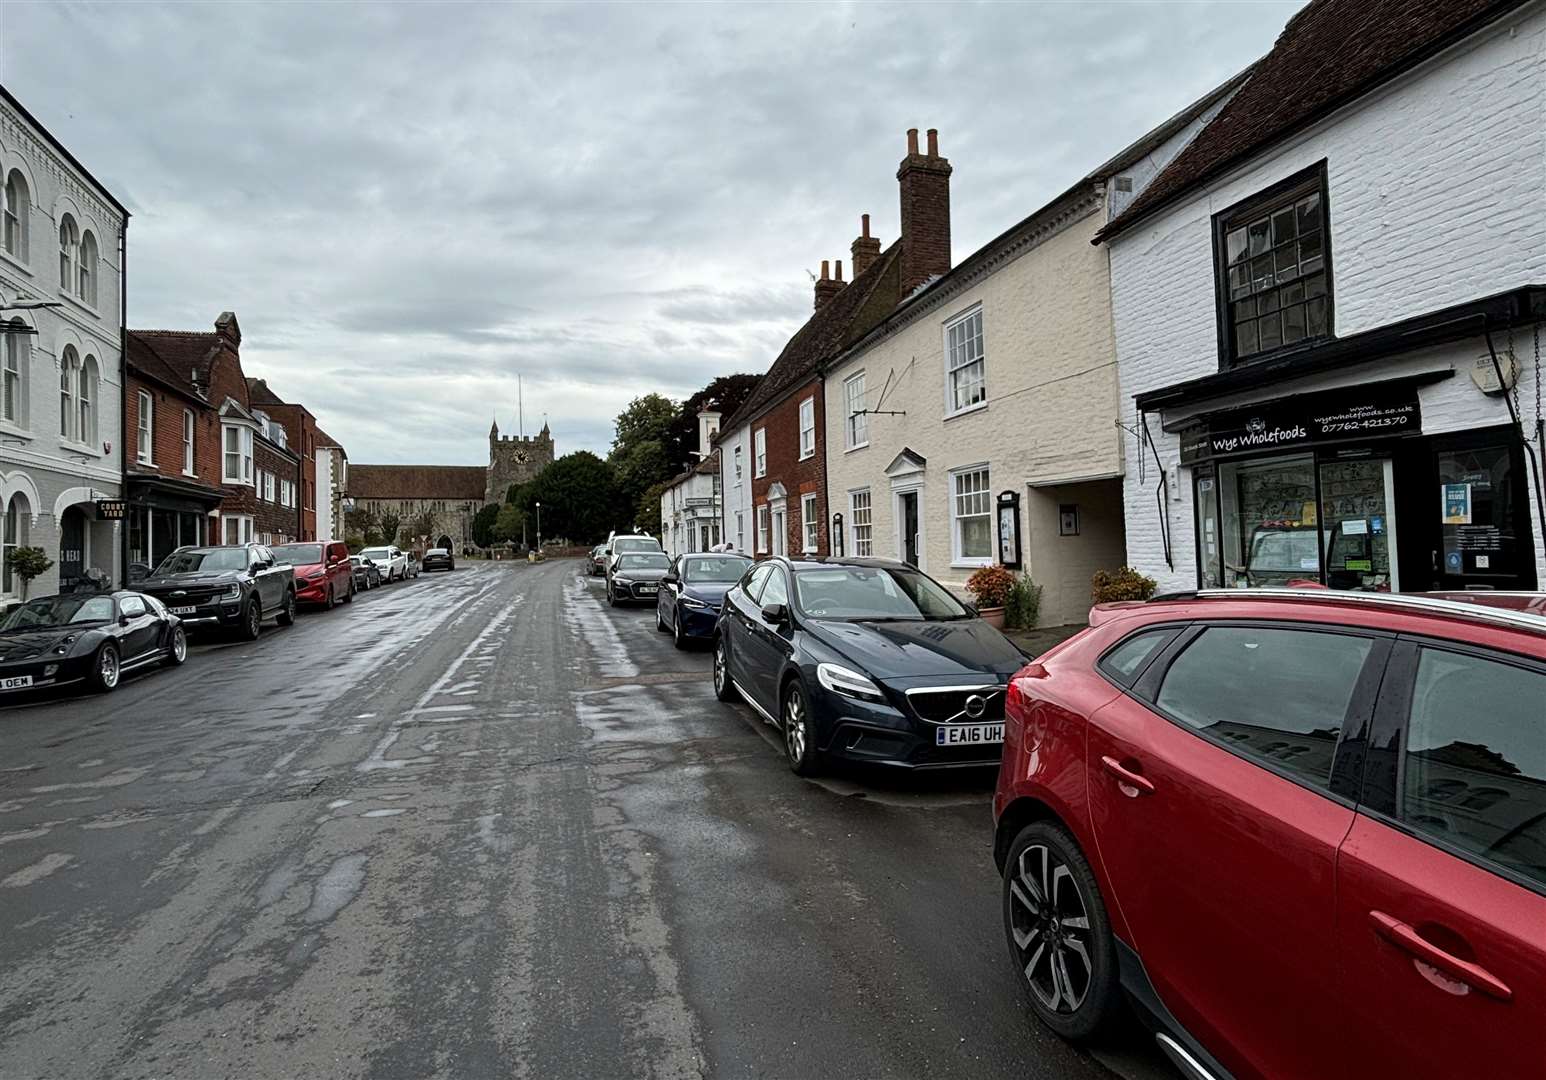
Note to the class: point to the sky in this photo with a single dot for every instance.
(409, 204)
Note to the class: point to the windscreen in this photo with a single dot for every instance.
(634, 543)
(726, 571)
(873, 593)
(300, 554)
(49, 611)
(377, 554)
(191, 559)
(644, 561)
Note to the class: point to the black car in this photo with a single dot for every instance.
(233, 586)
(864, 660)
(367, 575)
(95, 638)
(438, 559)
(690, 595)
(636, 575)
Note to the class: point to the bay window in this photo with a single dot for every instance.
(237, 458)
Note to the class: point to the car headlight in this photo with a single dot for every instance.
(232, 592)
(841, 680)
(621, 580)
(694, 602)
(318, 576)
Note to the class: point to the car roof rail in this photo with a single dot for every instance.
(1412, 602)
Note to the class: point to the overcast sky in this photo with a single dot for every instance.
(407, 204)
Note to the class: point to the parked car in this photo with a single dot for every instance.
(96, 639)
(1227, 804)
(391, 561)
(322, 572)
(636, 575)
(439, 559)
(367, 575)
(690, 595)
(865, 660)
(622, 545)
(233, 586)
(412, 570)
(596, 563)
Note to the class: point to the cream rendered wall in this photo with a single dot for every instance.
(1050, 412)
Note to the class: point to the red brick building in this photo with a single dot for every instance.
(301, 428)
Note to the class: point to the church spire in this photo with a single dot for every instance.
(493, 432)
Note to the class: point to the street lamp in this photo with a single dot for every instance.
(539, 528)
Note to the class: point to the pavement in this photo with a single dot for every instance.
(480, 825)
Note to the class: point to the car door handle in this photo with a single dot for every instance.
(1133, 784)
(1409, 940)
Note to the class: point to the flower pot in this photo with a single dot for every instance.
(993, 616)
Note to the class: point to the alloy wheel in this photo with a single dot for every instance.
(721, 675)
(795, 731)
(107, 668)
(254, 619)
(179, 645)
(1051, 927)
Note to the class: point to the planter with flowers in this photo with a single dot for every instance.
(991, 587)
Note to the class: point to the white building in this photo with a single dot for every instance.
(690, 505)
(61, 372)
(735, 487)
(332, 488)
(1314, 303)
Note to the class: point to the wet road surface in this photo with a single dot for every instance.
(480, 825)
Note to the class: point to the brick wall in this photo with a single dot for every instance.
(167, 433)
(270, 517)
(799, 477)
(301, 429)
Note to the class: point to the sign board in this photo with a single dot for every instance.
(1009, 529)
(110, 510)
(1359, 412)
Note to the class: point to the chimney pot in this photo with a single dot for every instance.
(865, 231)
(824, 271)
(865, 249)
(933, 142)
(839, 268)
(912, 140)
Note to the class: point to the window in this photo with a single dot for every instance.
(776, 591)
(1275, 696)
(69, 252)
(760, 453)
(142, 450)
(17, 514)
(268, 486)
(737, 457)
(807, 428)
(237, 529)
(188, 441)
(810, 522)
(856, 428)
(86, 276)
(1475, 774)
(16, 350)
(859, 522)
(69, 379)
(1127, 661)
(15, 215)
(1273, 258)
(237, 467)
(86, 402)
(971, 514)
(756, 580)
(762, 529)
(740, 531)
(780, 532)
(132, 607)
(286, 493)
(965, 369)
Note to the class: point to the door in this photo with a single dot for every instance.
(738, 629)
(1479, 515)
(269, 581)
(72, 547)
(909, 524)
(1441, 884)
(143, 633)
(1221, 856)
(768, 643)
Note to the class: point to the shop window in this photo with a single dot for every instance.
(1274, 268)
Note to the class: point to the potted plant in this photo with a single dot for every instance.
(27, 563)
(1115, 586)
(991, 587)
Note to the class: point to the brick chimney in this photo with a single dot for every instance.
(866, 249)
(925, 184)
(828, 287)
(228, 330)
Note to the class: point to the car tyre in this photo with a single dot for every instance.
(678, 638)
(611, 595)
(349, 595)
(177, 652)
(252, 620)
(1059, 934)
(286, 616)
(799, 734)
(331, 601)
(103, 674)
(660, 624)
(724, 689)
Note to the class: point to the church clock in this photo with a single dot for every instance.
(520, 457)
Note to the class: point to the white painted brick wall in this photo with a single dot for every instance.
(737, 494)
(1437, 195)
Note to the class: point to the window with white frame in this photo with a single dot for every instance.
(69, 253)
(856, 428)
(971, 517)
(810, 522)
(737, 458)
(807, 428)
(145, 440)
(17, 517)
(15, 215)
(188, 423)
(780, 531)
(268, 486)
(13, 398)
(860, 524)
(86, 270)
(286, 493)
(69, 379)
(760, 453)
(762, 529)
(86, 401)
(966, 371)
(740, 529)
(237, 456)
(236, 528)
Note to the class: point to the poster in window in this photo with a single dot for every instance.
(1457, 504)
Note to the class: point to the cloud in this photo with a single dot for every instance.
(410, 204)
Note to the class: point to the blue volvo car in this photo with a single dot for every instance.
(690, 596)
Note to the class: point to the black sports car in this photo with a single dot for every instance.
(867, 660)
(94, 638)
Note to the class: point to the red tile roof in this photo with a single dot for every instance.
(453, 483)
(1330, 53)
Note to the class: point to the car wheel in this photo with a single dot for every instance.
(611, 595)
(660, 624)
(677, 637)
(252, 622)
(331, 600)
(724, 689)
(349, 596)
(1058, 933)
(103, 675)
(286, 616)
(799, 736)
(179, 649)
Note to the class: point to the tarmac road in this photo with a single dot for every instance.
(481, 825)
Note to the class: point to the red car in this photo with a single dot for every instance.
(1304, 833)
(323, 575)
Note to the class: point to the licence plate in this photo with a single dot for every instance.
(182, 610)
(15, 682)
(649, 588)
(968, 734)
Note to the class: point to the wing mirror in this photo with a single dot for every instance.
(670, 578)
(777, 614)
(124, 620)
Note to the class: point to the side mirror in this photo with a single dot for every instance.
(123, 620)
(777, 614)
(671, 578)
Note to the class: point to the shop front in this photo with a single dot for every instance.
(162, 515)
(1344, 488)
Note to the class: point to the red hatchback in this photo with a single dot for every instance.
(1305, 835)
(323, 575)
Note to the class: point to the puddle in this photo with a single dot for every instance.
(383, 813)
(339, 804)
(338, 887)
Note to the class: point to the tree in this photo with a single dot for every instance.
(646, 514)
(639, 448)
(27, 563)
(508, 524)
(391, 524)
(724, 395)
(483, 525)
(579, 497)
(419, 526)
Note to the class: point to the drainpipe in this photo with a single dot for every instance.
(1533, 467)
(123, 395)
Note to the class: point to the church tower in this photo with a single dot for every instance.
(515, 459)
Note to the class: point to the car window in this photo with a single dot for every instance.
(1277, 696)
(1474, 772)
(717, 570)
(759, 578)
(777, 589)
(131, 606)
(1127, 661)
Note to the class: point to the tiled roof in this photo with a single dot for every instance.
(1331, 52)
(259, 393)
(147, 359)
(184, 351)
(834, 326)
(324, 439)
(454, 483)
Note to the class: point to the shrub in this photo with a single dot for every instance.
(27, 563)
(991, 586)
(1024, 605)
(1109, 586)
